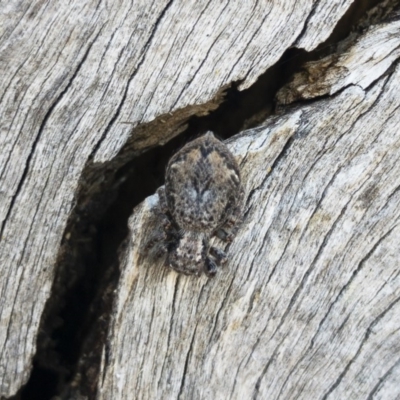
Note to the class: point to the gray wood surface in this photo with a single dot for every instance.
(308, 303)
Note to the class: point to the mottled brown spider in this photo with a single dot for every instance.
(202, 198)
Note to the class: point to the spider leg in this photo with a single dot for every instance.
(156, 245)
(210, 268)
(218, 254)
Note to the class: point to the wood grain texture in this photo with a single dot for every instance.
(72, 75)
(323, 18)
(309, 304)
(360, 61)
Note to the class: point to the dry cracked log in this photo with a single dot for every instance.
(308, 304)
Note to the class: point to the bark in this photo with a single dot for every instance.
(308, 305)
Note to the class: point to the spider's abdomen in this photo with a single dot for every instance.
(202, 184)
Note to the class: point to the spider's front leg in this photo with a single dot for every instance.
(210, 268)
(156, 245)
(213, 261)
(218, 255)
(213, 258)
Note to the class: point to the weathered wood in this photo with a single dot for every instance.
(309, 304)
(72, 74)
(359, 63)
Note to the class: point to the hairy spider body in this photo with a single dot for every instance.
(203, 197)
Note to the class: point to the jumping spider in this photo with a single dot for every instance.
(202, 198)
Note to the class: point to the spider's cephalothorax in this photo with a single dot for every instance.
(202, 197)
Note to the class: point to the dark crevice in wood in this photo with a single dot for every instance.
(75, 322)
